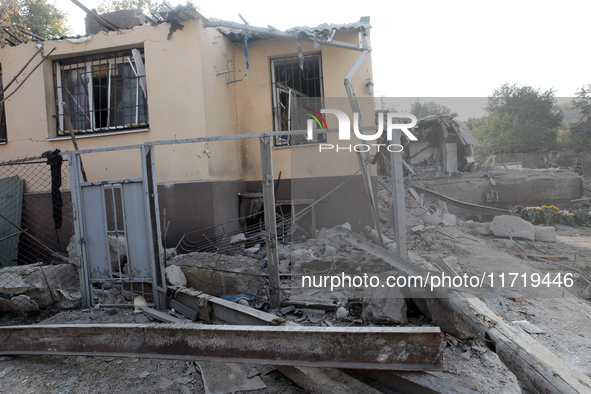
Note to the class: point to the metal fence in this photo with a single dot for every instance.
(36, 225)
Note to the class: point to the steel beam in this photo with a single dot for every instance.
(401, 348)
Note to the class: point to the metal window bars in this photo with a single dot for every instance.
(103, 92)
(296, 88)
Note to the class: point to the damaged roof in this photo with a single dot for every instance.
(323, 31)
(457, 127)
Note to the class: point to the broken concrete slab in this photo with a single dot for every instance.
(545, 234)
(512, 226)
(384, 305)
(224, 378)
(448, 220)
(37, 282)
(218, 274)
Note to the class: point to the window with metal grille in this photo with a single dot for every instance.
(297, 88)
(102, 92)
(2, 114)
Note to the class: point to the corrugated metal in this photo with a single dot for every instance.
(466, 134)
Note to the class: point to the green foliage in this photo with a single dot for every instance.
(581, 131)
(551, 215)
(521, 119)
(40, 17)
(422, 110)
(106, 6)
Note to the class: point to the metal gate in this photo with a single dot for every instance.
(118, 234)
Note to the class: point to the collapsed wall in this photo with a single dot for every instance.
(513, 187)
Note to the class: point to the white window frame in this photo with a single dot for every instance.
(278, 87)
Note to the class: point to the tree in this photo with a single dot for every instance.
(581, 131)
(520, 119)
(422, 110)
(36, 16)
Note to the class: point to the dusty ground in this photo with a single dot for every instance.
(563, 315)
(48, 374)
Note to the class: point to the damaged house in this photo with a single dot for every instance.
(133, 79)
(444, 145)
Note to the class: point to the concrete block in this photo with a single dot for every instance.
(175, 276)
(384, 305)
(432, 220)
(512, 226)
(484, 229)
(448, 220)
(545, 234)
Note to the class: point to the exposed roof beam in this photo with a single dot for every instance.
(281, 34)
(109, 25)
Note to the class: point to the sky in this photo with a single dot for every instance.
(428, 49)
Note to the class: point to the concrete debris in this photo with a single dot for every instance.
(384, 305)
(117, 252)
(68, 300)
(223, 378)
(545, 234)
(512, 226)
(72, 252)
(314, 315)
(38, 283)
(528, 327)
(238, 238)
(218, 275)
(484, 229)
(432, 220)
(175, 276)
(329, 251)
(448, 220)
(341, 313)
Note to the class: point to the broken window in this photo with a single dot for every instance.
(103, 92)
(297, 88)
(2, 114)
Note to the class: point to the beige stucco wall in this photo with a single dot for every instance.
(186, 99)
(254, 102)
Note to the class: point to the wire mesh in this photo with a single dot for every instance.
(248, 241)
(36, 226)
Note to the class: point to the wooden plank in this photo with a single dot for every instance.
(465, 205)
(225, 312)
(270, 221)
(163, 317)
